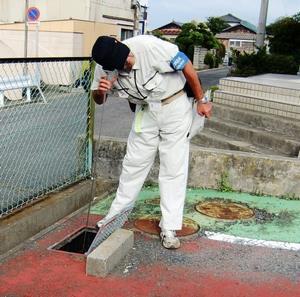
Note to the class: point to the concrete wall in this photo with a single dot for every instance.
(81, 34)
(90, 17)
(246, 172)
(28, 221)
(199, 55)
(12, 11)
(58, 44)
(92, 30)
(101, 11)
(89, 10)
(273, 94)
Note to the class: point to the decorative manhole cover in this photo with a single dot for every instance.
(150, 225)
(225, 210)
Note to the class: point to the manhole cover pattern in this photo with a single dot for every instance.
(150, 225)
(225, 210)
(154, 201)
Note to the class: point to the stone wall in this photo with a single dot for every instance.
(199, 55)
(245, 172)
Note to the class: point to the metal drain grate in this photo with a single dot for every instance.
(109, 227)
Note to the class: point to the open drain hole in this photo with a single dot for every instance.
(75, 242)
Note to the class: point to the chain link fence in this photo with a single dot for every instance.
(45, 127)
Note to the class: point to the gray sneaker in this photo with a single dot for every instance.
(102, 222)
(169, 239)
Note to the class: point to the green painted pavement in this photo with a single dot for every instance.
(276, 219)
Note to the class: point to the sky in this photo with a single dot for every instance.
(161, 12)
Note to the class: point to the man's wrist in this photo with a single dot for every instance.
(202, 100)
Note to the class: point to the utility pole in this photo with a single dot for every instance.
(26, 29)
(137, 12)
(261, 29)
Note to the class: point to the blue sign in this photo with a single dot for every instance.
(33, 14)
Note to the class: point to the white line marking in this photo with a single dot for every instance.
(253, 242)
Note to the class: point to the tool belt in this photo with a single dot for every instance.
(172, 97)
(134, 102)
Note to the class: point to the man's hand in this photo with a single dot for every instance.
(104, 86)
(204, 109)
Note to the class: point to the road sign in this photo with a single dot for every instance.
(33, 14)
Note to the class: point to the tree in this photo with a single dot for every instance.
(216, 25)
(195, 34)
(159, 34)
(296, 17)
(285, 36)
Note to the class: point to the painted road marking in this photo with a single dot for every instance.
(252, 242)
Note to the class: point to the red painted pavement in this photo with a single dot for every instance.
(37, 271)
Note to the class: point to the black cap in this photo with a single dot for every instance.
(110, 53)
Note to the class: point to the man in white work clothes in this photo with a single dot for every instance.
(151, 73)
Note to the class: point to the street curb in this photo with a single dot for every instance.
(41, 214)
(213, 69)
(109, 253)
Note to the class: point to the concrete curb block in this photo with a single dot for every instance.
(109, 253)
(213, 69)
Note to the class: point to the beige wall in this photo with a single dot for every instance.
(89, 17)
(115, 8)
(92, 30)
(12, 10)
(89, 31)
(88, 10)
(51, 44)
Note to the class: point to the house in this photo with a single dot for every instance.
(240, 35)
(230, 19)
(170, 31)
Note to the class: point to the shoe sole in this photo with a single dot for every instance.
(173, 246)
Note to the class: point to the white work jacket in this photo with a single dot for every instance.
(152, 78)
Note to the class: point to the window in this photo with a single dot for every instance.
(235, 43)
(248, 43)
(125, 34)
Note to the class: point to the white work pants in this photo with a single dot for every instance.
(166, 131)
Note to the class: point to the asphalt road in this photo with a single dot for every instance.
(114, 118)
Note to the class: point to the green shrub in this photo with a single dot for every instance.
(214, 88)
(224, 184)
(282, 64)
(210, 60)
(260, 62)
(284, 36)
(221, 51)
